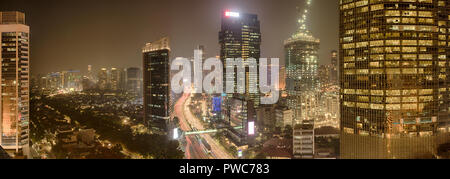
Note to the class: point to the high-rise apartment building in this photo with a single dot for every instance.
(302, 63)
(394, 78)
(157, 103)
(240, 37)
(14, 74)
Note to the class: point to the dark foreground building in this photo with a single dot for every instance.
(4, 154)
(157, 105)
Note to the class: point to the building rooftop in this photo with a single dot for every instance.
(161, 44)
(277, 148)
(12, 17)
(302, 34)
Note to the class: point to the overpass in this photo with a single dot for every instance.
(209, 131)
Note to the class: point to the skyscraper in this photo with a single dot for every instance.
(240, 37)
(157, 104)
(302, 63)
(103, 79)
(90, 74)
(324, 73)
(334, 76)
(115, 79)
(122, 79)
(14, 104)
(134, 81)
(394, 78)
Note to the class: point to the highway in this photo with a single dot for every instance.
(193, 148)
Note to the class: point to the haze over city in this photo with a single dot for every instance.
(110, 33)
(356, 79)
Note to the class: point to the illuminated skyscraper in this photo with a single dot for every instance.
(103, 79)
(394, 78)
(334, 76)
(302, 60)
(115, 78)
(14, 106)
(134, 81)
(240, 37)
(157, 103)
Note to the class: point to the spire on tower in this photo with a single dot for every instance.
(303, 15)
(303, 34)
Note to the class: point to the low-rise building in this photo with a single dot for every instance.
(303, 140)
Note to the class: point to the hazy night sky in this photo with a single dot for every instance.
(71, 34)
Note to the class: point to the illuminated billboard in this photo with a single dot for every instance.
(251, 128)
(217, 104)
(175, 134)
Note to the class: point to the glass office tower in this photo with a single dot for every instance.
(394, 78)
(240, 37)
(302, 65)
(14, 103)
(157, 104)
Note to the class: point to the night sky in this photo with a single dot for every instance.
(71, 34)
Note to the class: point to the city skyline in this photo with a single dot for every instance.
(383, 93)
(114, 35)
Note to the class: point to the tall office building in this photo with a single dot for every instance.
(394, 74)
(240, 37)
(115, 79)
(302, 63)
(325, 74)
(134, 86)
(122, 79)
(14, 104)
(334, 76)
(157, 103)
(90, 74)
(103, 79)
(71, 80)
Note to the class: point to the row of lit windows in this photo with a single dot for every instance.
(394, 100)
(391, 43)
(390, 92)
(420, 28)
(373, 35)
(413, 106)
(396, 64)
(350, 4)
(352, 58)
(389, 49)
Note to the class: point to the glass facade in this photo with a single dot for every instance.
(394, 78)
(240, 37)
(302, 65)
(157, 103)
(14, 110)
(133, 81)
